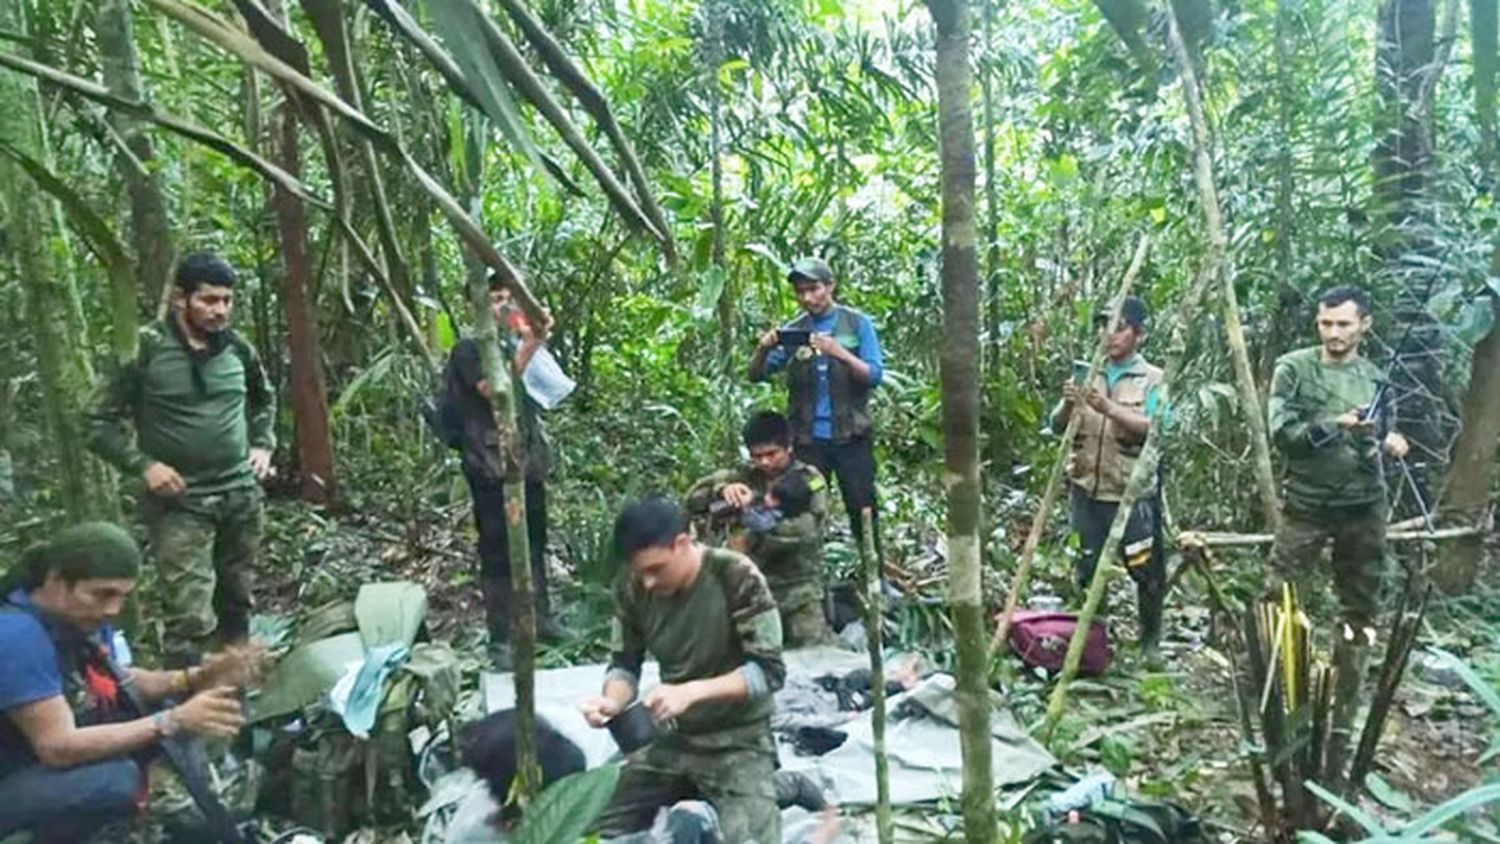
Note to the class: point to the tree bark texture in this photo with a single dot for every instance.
(505, 392)
(1404, 67)
(1286, 300)
(150, 225)
(50, 300)
(960, 372)
(1483, 26)
(1217, 266)
(1466, 497)
(313, 437)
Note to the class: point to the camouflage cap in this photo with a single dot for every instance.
(810, 269)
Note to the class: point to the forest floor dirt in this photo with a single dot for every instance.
(1170, 733)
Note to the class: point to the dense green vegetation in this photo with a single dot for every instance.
(766, 129)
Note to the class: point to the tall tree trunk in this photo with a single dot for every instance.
(1217, 266)
(1286, 291)
(714, 57)
(960, 361)
(1404, 60)
(1467, 495)
(314, 440)
(1483, 25)
(991, 192)
(149, 223)
(50, 299)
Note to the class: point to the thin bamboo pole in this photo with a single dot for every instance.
(874, 630)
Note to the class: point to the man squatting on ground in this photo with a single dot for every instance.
(1116, 412)
(70, 762)
(708, 618)
(203, 416)
(485, 470)
(788, 549)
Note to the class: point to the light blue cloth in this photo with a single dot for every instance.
(363, 704)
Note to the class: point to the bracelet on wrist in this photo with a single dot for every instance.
(165, 721)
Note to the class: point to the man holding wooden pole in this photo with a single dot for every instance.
(1116, 412)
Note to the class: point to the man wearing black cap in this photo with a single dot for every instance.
(71, 752)
(1116, 411)
(832, 359)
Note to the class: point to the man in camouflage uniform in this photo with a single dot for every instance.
(790, 555)
(707, 617)
(1117, 411)
(203, 416)
(1323, 418)
(1334, 483)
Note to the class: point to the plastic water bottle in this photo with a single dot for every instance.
(121, 649)
(1081, 794)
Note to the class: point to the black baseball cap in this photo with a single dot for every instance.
(1132, 312)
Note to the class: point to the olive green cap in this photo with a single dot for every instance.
(810, 269)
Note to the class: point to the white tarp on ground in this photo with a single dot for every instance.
(922, 740)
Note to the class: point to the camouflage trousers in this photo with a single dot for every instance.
(204, 549)
(733, 769)
(803, 620)
(1358, 538)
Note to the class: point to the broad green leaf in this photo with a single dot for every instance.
(1388, 795)
(1468, 801)
(1475, 320)
(1354, 813)
(567, 808)
(710, 288)
(1482, 688)
(457, 25)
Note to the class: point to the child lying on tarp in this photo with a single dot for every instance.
(488, 747)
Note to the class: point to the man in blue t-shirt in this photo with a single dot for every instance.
(832, 359)
(70, 757)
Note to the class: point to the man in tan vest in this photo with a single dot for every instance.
(1116, 411)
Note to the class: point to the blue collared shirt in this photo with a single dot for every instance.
(869, 352)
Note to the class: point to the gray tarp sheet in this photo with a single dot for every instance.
(921, 731)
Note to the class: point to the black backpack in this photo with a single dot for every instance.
(442, 411)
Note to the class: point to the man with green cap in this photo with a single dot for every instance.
(832, 359)
(202, 414)
(70, 758)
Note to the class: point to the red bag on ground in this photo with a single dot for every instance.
(1040, 638)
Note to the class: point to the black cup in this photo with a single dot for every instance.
(633, 728)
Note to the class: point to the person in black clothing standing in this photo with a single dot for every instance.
(484, 468)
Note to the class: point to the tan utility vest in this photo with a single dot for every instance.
(1104, 453)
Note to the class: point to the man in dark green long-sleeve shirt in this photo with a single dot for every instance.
(1322, 420)
(193, 417)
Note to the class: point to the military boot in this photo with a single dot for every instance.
(1150, 600)
(497, 620)
(548, 628)
(1351, 652)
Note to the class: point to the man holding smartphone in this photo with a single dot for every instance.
(1116, 410)
(832, 359)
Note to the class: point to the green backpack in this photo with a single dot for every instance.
(330, 780)
(1117, 821)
